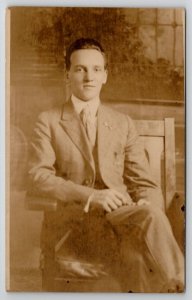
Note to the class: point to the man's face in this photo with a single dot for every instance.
(87, 73)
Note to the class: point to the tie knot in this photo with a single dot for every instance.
(85, 114)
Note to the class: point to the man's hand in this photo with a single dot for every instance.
(142, 202)
(109, 199)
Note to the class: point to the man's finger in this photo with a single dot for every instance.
(116, 200)
(112, 196)
(112, 204)
(107, 208)
(119, 195)
(126, 199)
(129, 201)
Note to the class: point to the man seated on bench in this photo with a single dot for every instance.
(90, 155)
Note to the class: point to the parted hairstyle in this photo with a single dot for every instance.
(83, 43)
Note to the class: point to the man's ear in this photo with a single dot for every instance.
(105, 76)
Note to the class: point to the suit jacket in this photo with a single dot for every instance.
(62, 164)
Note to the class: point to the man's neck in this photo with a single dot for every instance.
(80, 104)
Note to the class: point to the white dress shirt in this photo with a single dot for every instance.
(79, 105)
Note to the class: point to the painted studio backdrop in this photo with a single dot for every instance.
(146, 80)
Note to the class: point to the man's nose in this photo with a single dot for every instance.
(89, 75)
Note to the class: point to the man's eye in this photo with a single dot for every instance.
(79, 70)
(97, 69)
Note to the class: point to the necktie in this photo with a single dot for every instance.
(89, 124)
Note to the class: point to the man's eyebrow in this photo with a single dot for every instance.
(84, 66)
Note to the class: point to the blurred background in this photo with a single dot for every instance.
(145, 49)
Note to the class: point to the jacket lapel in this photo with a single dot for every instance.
(72, 125)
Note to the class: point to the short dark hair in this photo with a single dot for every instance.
(83, 43)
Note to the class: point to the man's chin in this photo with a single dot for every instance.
(87, 98)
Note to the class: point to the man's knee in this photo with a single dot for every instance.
(135, 215)
(154, 218)
(152, 214)
(150, 211)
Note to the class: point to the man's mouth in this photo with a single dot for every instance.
(88, 86)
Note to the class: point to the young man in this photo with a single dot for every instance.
(89, 155)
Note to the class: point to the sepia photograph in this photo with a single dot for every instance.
(95, 144)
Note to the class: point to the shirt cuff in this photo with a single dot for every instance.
(86, 208)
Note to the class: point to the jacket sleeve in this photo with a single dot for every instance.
(43, 180)
(137, 173)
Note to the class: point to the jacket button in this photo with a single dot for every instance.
(87, 181)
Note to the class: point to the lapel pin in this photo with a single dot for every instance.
(107, 125)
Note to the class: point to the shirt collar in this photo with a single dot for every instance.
(79, 105)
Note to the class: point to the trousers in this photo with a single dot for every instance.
(150, 255)
(135, 242)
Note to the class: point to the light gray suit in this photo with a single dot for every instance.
(62, 164)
